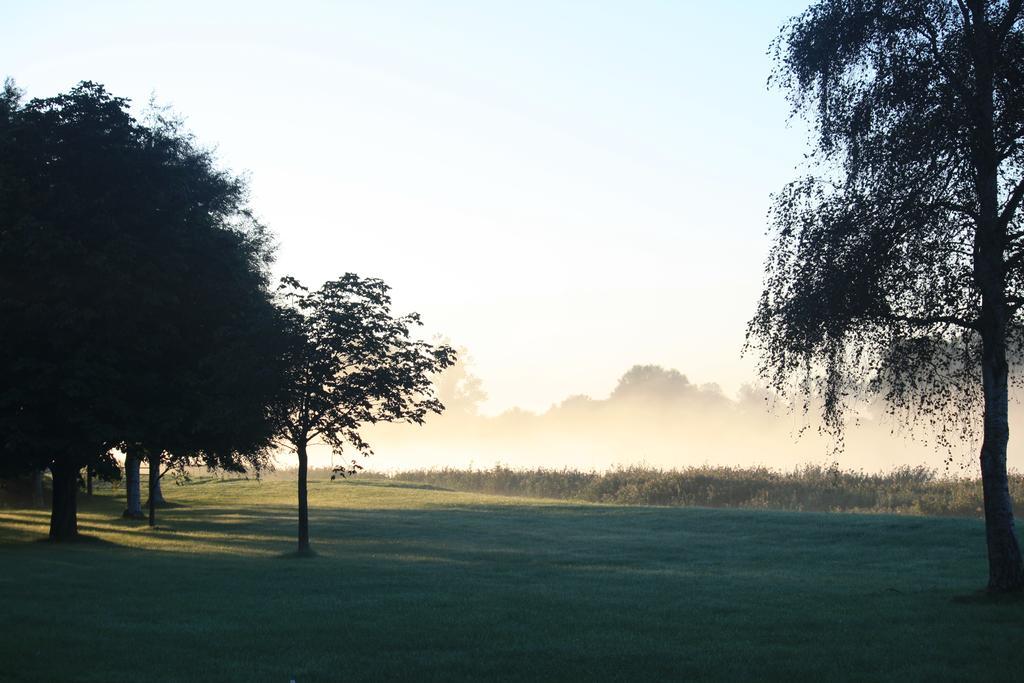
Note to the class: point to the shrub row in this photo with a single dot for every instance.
(906, 490)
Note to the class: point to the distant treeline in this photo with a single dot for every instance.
(905, 490)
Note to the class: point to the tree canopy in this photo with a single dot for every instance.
(349, 362)
(133, 293)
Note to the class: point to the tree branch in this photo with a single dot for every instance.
(966, 13)
(933, 44)
(1013, 260)
(286, 446)
(1012, 10)
(958, 208)
(1011, 147)
(1010, 207)
(937, 320)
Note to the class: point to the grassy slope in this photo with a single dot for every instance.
(423, 584)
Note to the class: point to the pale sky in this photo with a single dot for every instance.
(565, 188)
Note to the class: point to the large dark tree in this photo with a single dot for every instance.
(897, 263)
(350, 363)
(133, 294)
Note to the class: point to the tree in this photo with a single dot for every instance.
(897, 261)
(222, 342)
(133, 295)
(49, 358)
(653, 382)
(349, 363)
(457, 387)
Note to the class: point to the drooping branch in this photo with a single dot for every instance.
(929, 321)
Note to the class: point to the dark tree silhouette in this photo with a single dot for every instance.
(897, 263)
(350, 363)
(221, 341)
(133, 294)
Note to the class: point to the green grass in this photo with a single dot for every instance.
(419, 584)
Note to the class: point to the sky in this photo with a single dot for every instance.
(566, 189)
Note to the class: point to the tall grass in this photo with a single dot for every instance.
(905, 490)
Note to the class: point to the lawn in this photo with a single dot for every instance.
(421, 584)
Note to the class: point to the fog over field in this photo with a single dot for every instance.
(654, 416)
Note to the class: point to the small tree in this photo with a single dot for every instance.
(898, 265)
(349, 363)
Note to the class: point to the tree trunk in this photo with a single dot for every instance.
(1005, 566)
(154, 483)
(88, 481)
(303, 504)
(155, 491)
(38, 501)
(64, 510)
(133, 485)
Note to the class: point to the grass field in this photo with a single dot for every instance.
(421, 584)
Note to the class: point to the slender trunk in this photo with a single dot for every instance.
(158, 491)
(88, 481)
(1006, 569)
(38, 500)
(1005, 565)
(133, 485)
(154, 478)
(303, 503)
(155, 491)
(64, 510)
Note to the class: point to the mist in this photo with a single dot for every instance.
(655, 417)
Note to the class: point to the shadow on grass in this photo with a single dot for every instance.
(386, 484)
(989, 598)
(298, 554)
(215, 480)
(450, 592)
(166, 505)
(86, 540)
(668, 547)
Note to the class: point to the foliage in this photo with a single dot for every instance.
(652, 381)
(348, 363)
(133, 292)
(107, 468)
(351, 363)
(898, 263)
(872, 283)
